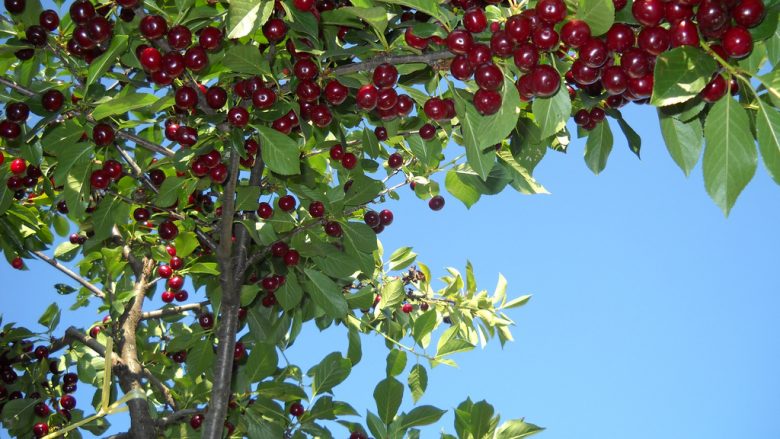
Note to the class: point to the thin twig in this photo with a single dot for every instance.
(71, 274)
(173, 310)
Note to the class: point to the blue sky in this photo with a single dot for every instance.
(652, 316)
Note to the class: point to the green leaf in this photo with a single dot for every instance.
(200, 358)
(427, 152)
(482, 422)
(245, 59)
(70, 155)
(260, 364)
(362, 190)
(289, 295)
(326, 294)
(598, 147)
(244, 16)
(376, 426)
(388, 394)
(680, 74)
(123, 104)
(110, 212)
(730, 156)
(279, 152)
(396, 362)
(768, 134)
(186, 243)
(66, 251)
(633, 139)
(516, 429)
(599, 14)
(370, 143)
(683, 140)
(459, 189)
(102, 63)
(522, 180)
(423, 325)
(63, 136)
(417, 381)
(51, 316)
(330, 372)
(552, 113)
(354, 349)
(481, 132)
(247, 197)
(169, 191)
(352, 16)
(392, 293)
(464, 183)
(401, 258)
(422, 415)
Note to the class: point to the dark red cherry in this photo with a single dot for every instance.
(367, 96)
(153, 27)
(488, 77)
(501, 44)
(173, 64)
(179, 37)
(737, 42)
(474, 20)
(335, 92)
(479, 54)
(487, 102)
(238, 117)
(654, 40)
(216, 97)
(575, 33)
(17, 112)
(52, 100)
(526, 57)
(519, 28)
(747, 13)
(81, 11)
(385, 75)
(263, 98)
(102, 134)
(675, 12)
(619, 37)
(195, 58)
(684, 33)
(545, 38)
(275, 30)
(648, 12)
(36, 35)
(614, 80)
(715, 89)
(15, 6)
(635, 63)
(459, 41)
(594, 53)
(545, 80)
(551, 11)
(210, 38)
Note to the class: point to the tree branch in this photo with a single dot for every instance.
(228, 322)
(71, 274)
(173, 310)
(426, 58)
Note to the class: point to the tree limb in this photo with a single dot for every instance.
(173, 310)
(429, 58)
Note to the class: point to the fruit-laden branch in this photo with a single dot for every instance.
(122, 134)
(71, 274)
(425, 58)
(228, 322)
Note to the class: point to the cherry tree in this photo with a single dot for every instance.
(244, 150)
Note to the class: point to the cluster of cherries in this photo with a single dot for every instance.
(8, 376)
(174, 280)
(178, 53)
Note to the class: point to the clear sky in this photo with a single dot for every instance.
(652, 316)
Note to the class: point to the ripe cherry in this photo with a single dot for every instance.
(737, 42)
(291, 258)
(238, 117)
(435, 108)
(81, 11)
(380, 133)
(179, 37)
(52, 100)
(395, 160)
(385, 217)
(593, 53)
(684, 33)
(654, 40)
(648, 12)
(474, 20)
(487, 102)
(10, 130)
(303, 5)
(635, 63)
(748, 13)
(385, 75)
(263, 98)
(287, 203)
(479, 54)
(68, 402)
(406, 308)
(206, 320)
(404, 106)
(436, 203)
(459, 41)
(614, 80)
(545, 80)
(150, 59)
(333, 229)
(367, 97)
(715, 89)
(168, 296)
(175, 282)
(153, 27)
(210, 38)
(489, 77)
(551, 11)
(414, 41)
(196, 421)
(195, 59)
(619, 38)
(335, 92)
(501, 44)
(99, 179)
(17, 112)
(427, 131)
(275, 30)
(279, 249)
(349, 160)
(316, 209)
(40, 429)
(168, 230)
(519, 28)
(15, 6)
(336, 152)
(575, 33)
(296, 409)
